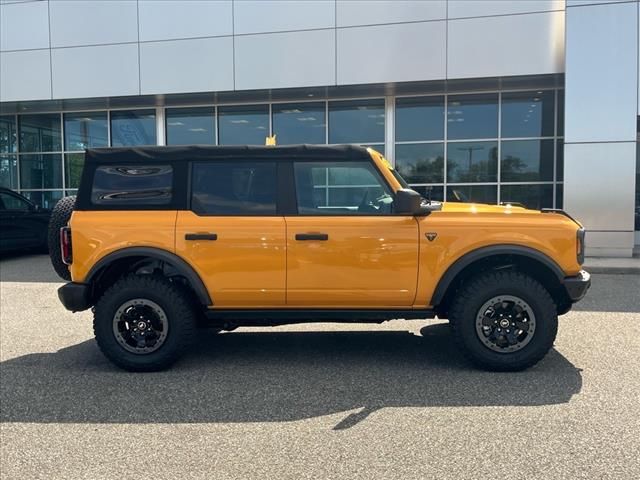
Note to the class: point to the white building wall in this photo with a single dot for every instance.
(601, 108)
(244, 44)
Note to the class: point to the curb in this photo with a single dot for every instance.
(612, 270)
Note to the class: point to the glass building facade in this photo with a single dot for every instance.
(500, 146)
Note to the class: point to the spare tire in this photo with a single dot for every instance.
(59, 218)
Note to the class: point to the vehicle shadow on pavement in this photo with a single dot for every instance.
(27, 267)
(274, 377)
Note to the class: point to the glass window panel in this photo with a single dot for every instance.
(560, 132)
(527, 161)
(472, 193)
(41, 171)
(234, 188)
(435, 192)
(133, 127)
(421, 162)
(528, 114)
(354, 188)
(132, 185)
(191, 126)
(472, 162)
(472, 116)
(7, 134)
(9, 171)
(40, 133)
(243, 125)
(420, 118)
(46, 200)
(85, 130)
(299, 123)
(13, 202)
(351, 175)
(531, 196)
(560, 198)
(357, 121)
(560, 160)
(73, 163)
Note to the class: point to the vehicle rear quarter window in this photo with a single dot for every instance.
(234, 188)
(132, 185)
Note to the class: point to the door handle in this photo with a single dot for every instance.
(312, 236)
(201, 236)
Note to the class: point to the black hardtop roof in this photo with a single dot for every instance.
(208, 152)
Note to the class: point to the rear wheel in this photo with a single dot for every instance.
(144, 323)
(60, 217)
(504, 321)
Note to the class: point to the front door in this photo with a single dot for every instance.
(232, 235)
(345, 247)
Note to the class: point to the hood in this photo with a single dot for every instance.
(459, 207)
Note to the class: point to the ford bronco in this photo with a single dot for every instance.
(163, 240)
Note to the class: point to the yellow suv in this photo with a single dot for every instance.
(162, 240)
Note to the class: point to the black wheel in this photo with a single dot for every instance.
(59, 218)
(504, 320)
(144, 323)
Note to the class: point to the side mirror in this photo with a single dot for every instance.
(407, 202)
(410, 202)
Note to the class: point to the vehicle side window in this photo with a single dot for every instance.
(341, 188)
(132, 185)
(234, 188)
(11, 202)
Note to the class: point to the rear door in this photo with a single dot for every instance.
(232, 235)
(345, 247)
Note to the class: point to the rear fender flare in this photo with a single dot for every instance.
(180, 265)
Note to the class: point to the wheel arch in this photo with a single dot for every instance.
(120, 257)
(528, 260)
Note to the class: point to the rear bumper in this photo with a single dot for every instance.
(75, 296)
(577, 286)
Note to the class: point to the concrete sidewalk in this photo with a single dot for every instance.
(612, 265)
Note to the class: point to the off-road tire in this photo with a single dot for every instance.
(59, 218)
(471, 297)
(175, 301)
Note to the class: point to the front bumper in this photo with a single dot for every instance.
(75, 296)
(577, 286)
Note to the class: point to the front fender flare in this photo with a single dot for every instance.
(485, 252)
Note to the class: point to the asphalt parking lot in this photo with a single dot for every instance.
(316, 401)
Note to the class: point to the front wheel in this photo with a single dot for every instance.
(504, 321)
(144, 323)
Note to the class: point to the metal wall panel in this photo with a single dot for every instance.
(106, 70)
(601, 73)
(196, 65)
(24, 26)
(259, 16)
(484, 8)
(373, 12)
(577, 3)
(508, 45)
(599, 184)
(173, 19)
(25, 75)
(93, 22)
(279, 60)
(392, 53)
